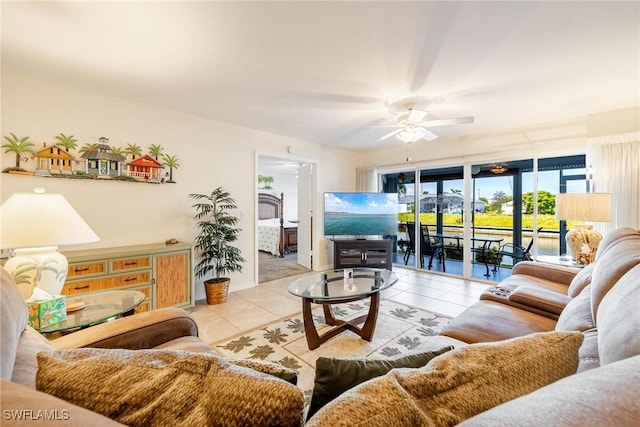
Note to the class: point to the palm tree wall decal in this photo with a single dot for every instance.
(87, 148)
(172, 163)
(18, 146)
(134, 150)
(156, 151)
(67, 142)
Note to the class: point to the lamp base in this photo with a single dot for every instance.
(45, 268)
(582, 235)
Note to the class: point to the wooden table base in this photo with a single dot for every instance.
(365, 332)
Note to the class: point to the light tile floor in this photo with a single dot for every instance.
(271, 301)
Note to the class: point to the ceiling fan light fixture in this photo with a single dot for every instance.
(498, 168)
(411, 134)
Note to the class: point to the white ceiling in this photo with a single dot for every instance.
(328, 72)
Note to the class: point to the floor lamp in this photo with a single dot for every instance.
(592, 207)
(33, 226)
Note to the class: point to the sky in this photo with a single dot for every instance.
(358, 203)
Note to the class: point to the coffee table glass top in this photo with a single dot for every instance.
(332, 286)
(99, 307)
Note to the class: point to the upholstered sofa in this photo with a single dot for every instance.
(513, 364)
(601, 301)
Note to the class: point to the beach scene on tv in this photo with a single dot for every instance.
(361, 214)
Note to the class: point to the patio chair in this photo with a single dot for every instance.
(516, 252)
(430, 247)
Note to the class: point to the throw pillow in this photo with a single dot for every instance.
(30, 344)
(580, 281)
(458, 384)
(274, 369)
(335, 376)
(168, 387)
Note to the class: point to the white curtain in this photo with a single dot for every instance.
(366, 180)
(615, 164)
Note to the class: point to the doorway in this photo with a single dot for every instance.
(283, 233)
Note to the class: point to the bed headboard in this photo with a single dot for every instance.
(269, 206)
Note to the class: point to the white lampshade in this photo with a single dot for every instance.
(593, 207)
(34, 224)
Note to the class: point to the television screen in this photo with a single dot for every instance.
(360, 214)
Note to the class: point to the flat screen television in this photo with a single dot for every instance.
(360, 214)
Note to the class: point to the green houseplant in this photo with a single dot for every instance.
(217, 229)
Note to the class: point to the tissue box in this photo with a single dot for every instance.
(47, 312)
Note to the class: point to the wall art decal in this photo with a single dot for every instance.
(93, 161)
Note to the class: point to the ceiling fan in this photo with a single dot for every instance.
(413, 125)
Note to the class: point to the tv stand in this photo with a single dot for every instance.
(362, 253)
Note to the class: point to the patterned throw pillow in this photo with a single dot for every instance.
(458, 384)
(168, 387)
(335, 376)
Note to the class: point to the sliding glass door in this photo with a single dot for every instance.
(504, 221)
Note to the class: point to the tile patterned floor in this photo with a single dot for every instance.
(270, 301)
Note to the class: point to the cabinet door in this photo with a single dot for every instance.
(172, 279)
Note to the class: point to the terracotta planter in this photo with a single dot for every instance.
(216, 290)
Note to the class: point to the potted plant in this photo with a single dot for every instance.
(217, 230)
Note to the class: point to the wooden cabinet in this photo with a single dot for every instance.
(362, 253)
(162, 272)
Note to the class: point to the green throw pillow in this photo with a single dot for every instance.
(335, 376)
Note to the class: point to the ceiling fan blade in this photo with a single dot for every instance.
(389, 135)
(446, 122)
(429, 136)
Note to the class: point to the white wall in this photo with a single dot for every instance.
(210, 154)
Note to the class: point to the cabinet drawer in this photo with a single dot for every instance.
(139, 278)
(85, 269)
(136, 263)
(82, 286)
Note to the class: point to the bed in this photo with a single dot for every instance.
(275, 235)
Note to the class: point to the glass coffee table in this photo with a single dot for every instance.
(99, 307)
(338, 287)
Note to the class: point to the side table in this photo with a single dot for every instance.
(99, 307)
(562, 260)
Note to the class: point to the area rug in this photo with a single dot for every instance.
(400, 329)
(271, 267)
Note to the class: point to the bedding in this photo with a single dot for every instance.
(270, 231)
(269, 235)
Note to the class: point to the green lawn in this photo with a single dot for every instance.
(548, 222)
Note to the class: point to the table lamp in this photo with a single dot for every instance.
(593, 207)
(33, 226)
